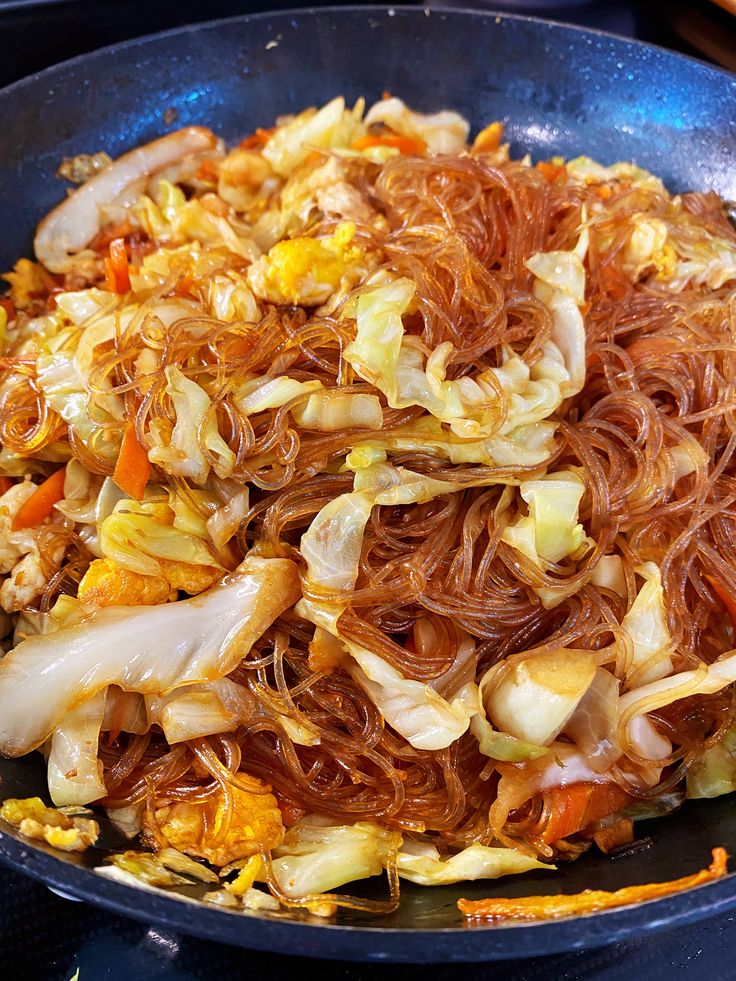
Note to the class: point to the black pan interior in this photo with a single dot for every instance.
(559, 90)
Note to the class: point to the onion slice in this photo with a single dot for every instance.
(72, 225)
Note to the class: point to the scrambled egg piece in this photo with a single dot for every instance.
(106, 583)
(200, 828)
(25, 280)
(307, 271)
(34, 820)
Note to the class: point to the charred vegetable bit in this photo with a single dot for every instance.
(590, 900)
(35, 820)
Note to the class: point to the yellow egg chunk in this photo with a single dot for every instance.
(307, 271)
(106, 583)
(199, 828)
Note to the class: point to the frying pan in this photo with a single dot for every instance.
(560, 90)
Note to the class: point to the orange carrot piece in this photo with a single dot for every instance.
(40, 504)
(258, 139)
(8, 306)
(489, 138)
(184, 283)
(590, 900)
(5, 484)
(724, 596)
(621, 832)
(116, 267)
(568, 811)
(133, 467)
(207, 171)
(409, 145)
(102, 240)
(551, 172)
(577, 805)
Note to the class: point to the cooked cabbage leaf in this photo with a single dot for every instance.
(713, 773)
(646, 624)
(443, 132)
(315, 858)
(142, 536)
(151, 650)
(180, 451)
(75, 773)
(330, 127)
(422, 864)
(534, 697)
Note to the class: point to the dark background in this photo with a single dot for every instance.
(47, 938)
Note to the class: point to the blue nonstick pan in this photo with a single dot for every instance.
(559, 90)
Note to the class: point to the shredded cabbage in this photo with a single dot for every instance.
(422, 864)
(329, 412)
(330, 127)
(138, 535)
(443, 132)
(316, 858)
(551, 530)
(714, 772)
(646, 624)
(179, 452)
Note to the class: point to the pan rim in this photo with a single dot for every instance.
(265, 933)
(389, 9)
(369, 943)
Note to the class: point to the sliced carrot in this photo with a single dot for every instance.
(8, 306)
(489, 138)
(184, 283)
(133, 467)
(550, 171)
(207, 171)
(621, 832)
(409, 145)
(724, 596)
(5, 484)
(116, 267)
(577, 805)
(102, 240)
(40, 504)
(590, 900)
(614, 282)
(258, 139)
